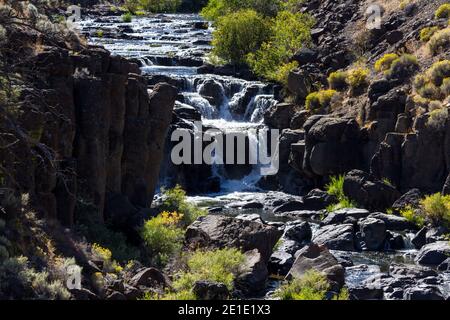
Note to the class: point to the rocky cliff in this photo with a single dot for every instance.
(96, 132)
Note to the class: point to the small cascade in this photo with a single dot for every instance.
(169, 47)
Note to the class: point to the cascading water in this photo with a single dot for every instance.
(170, 46)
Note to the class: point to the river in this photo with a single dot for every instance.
(174, 46)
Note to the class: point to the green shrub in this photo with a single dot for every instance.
(163, 236)
(337, 80)
(289, 32)
(438, 119)
(437, 208)
(282, 74)
(160, 5)
(319, 100)
(336, 188)
(429, 91)
(132, 6)
(439, 41)
(174, 200)
(384, 63)
(99, 33)
(239, 34)
(104, 254)
(445, 87)
(127, 17)
(413, 216)
(216, 9)
(443, 12)
(220, 265)
(427, 33)
(357, 78)
(438, 72)
(16, 272)
(312, 285)
(403, 67)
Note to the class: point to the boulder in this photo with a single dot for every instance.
(434, 253)
(394, 223)
(212, 91)
(280, 263)
(208, 290)
(411, 198)
(373, 234)
(216, 231)
(318, 200)
(298, 231)
(420, 238)
(369, 193)
(336, 237)
(280, 115)
(148, 277)
(318, 258)
(253, 274)
(291, 205)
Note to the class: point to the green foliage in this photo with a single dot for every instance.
(127, 17)
(312, 285)
(445, 87)
(443, 12)
(438, 72)
(357, 78)
(337, 80)
(16, 272)
(413, 216)
(384, 63)
(99, 33)
(403, 67)
(160, 5)
(336, 188)
(175, 200)
(163, 236)
(437, 209)
(216, 9)
(427, 32)
(171, 296)
(239, 34)
(132, 6)
(439, 41)
(319, 100)
(105, 255)
(220, 265)
(289, 32)
(433, 84)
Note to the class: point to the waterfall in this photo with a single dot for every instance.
(226, 103)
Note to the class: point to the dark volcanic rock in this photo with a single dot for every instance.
(433, 253)
(336, 237)
(369, 193)
(320, 259)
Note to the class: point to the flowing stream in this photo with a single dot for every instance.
(173, 47)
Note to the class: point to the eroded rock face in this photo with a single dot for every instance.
(215, 231)
(107, 132)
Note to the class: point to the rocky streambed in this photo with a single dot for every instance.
(376, 255)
